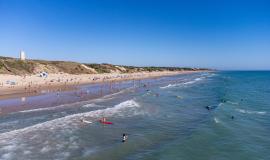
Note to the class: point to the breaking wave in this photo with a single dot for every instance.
(251, 112)
(216, 120)
(169, 86)
(183, 84)
(94, 114)
(18, 143)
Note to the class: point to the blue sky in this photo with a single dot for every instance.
(221, 34)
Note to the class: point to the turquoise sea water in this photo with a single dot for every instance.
(167, 119)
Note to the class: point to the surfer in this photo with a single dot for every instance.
(103, 119)
(232, 117)
(211, 107)
(124, 137)
(85, 121)
(179, 97)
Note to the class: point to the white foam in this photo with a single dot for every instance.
(181, 84)
(199, 79)
(216, 120)
(45, 149)
(65, 106)
(251, 112)
(6, 156)
(233, 103)
(195, 80)
(211, 75)
(110, 96)
(91, 105)
(59, 122)
(47, 108)
(113, 110)
(189, 82)
(220, 104)
(104, 98)
(168, 86)
(38, 109)
(51, 135)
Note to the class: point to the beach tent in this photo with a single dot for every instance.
(43, 74)
(11, 82)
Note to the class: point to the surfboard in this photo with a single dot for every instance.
(85, 121)
(105, 122)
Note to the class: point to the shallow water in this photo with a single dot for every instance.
(167, 119)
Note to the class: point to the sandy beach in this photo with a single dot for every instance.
(13, 85)
(18, 93)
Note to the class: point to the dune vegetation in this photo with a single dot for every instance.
(18, 67)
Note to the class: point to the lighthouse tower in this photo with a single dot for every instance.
(22, 56)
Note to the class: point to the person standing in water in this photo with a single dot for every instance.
(124, 138)
(103, 119)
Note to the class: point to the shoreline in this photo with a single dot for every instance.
(55, 95)
(33, 85)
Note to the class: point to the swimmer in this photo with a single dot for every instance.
(124, 138)
(179, 97)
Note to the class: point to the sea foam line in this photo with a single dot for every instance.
(181, 84)
(12, 143)
(102, 99)
(251, 112)
(61, 122)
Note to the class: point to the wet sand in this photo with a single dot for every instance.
(51, 98)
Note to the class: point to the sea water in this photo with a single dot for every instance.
(204, 116)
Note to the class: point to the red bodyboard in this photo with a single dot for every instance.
(105, 122)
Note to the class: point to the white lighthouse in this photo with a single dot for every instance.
(22, 55)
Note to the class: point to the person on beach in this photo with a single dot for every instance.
(124, 139)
